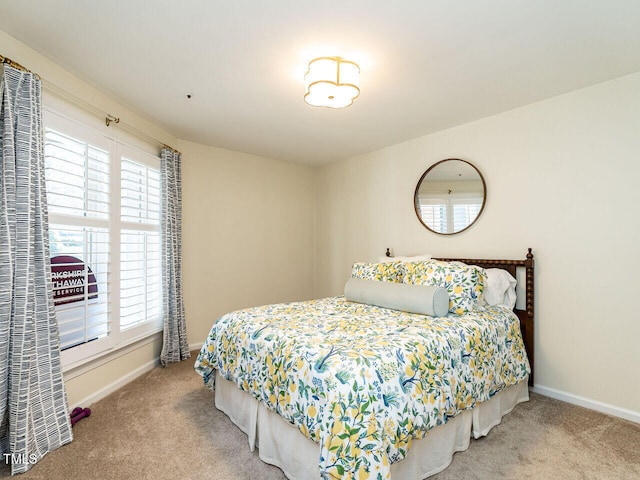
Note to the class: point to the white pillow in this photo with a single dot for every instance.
(500, 288)
(417, 258)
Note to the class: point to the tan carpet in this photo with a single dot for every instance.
(163, 425)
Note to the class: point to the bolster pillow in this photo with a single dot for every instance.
(423, 299)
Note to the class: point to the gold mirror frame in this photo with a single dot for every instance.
(416, 200)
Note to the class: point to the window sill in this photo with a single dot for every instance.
(75, 369)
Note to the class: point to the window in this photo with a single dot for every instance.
(434, 213)
(449, 213)
(465, 210)
(140, 243)
(104, 232)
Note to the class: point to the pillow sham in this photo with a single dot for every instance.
(464, 283)
(382, 272)
(500, 288)
(422, 299)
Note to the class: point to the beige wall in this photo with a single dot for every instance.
(248, 233)
(562, 178)
(248, 229)
(96, 379)
(55, 78)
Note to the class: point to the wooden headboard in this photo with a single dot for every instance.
(526, 315)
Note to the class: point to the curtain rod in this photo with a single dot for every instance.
(16, 65)
(109, 119)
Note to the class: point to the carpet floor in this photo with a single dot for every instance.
(164, 425)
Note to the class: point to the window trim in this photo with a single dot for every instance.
(118, 146)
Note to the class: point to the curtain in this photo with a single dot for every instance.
(175, 346)
(34, 416)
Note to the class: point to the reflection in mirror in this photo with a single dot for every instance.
(450, 196)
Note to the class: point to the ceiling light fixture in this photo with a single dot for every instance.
(331, 82)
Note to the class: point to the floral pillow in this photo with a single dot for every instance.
(465, 283)
(383, 272)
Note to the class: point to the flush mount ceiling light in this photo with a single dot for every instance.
(331, 82)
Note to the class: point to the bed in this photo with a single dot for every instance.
(334, 388)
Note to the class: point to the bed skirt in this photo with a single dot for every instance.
(280, 443)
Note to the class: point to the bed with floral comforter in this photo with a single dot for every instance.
(364, 381)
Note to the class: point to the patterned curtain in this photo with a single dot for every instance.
(34, 417)
(175, 346)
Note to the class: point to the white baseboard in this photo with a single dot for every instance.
(587, 403)
(195, 346)
(112, 387)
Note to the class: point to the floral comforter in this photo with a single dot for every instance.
(363, 381)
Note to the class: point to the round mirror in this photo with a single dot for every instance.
(450, 196)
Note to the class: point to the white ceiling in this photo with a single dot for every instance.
(426, 65)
